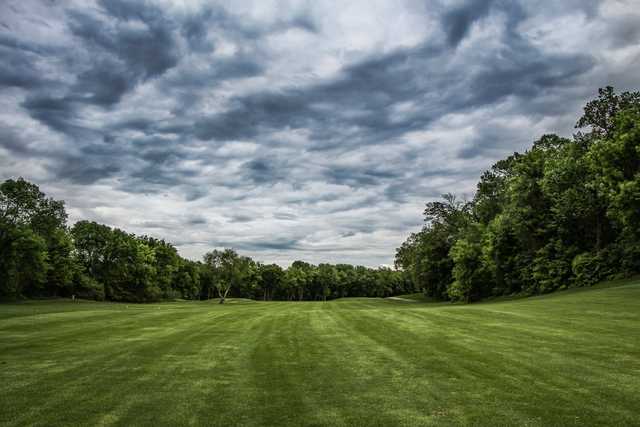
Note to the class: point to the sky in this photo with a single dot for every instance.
(313, 130)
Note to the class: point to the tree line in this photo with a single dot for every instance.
(40, 256)
(565, 213)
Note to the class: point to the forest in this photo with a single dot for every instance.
(565, 213)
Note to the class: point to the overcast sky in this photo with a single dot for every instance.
(288, 130)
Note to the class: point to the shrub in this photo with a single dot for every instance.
(586, 268)
(87, 287)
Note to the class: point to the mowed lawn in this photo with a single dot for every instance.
(571, 358)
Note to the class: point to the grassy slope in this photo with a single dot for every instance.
(564, 359)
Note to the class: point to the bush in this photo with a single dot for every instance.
(586, 268)
(86, 287)
(172, 294)
(470, 275)
(551, 268)
(630, 259)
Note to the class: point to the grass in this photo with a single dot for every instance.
(418, 297)
(571, 358)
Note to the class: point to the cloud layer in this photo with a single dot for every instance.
(312, 130)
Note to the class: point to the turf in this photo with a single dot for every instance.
(564, 359)
(419, 297)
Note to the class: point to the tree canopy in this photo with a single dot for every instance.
(564, 213)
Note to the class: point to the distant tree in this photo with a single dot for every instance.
(34, 248)
(187, 279)
(22, 203)
(23, 262)
(129, 270)
(469, 270)
(60, 262)
(326, 279)
(270, 280)
(166, 265)
(297, 280)
(425, 255)
(91, 241)
(228, 270)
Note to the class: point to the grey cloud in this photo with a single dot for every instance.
(364, 93)
(104, 84)
(195, 30)
(198, 220)
(425, 189)
(11, 141)
(284, 216)
(265, 170)
(141, 124)
(79, 172)
(20, 63)
(278, 244)
(258, 245)
(217, 71)
(155, 224)
(304, 22)
(18, 70)
(625, 31)
(153, 174)
(271, 110)
(149, 49)
(457, 22)
(242, 218)
(489, 139)
(56, 112)
(129, 55)
(358, 176)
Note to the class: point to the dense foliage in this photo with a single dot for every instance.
(565, 213)
(40, 256)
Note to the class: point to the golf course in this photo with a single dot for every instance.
(568, 358)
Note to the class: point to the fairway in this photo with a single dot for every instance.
(571, 358)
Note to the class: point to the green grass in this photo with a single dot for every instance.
(419, 297)
(571, 358)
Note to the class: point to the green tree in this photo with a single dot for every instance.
(23, 262)
(270, 280)
(61, 265)
(35, 254)
(228, 269)
(326, 280)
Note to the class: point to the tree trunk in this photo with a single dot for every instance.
(223, 297)
(598, 233)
